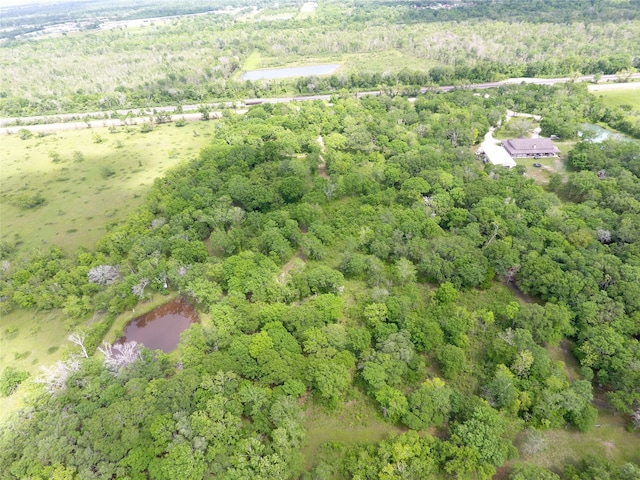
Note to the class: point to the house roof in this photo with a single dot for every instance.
(527, 146)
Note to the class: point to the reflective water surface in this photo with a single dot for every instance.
(160, 329)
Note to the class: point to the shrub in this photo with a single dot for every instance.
(107, 172)
(24, 134)
(25, 201)
(10, 380)
(146, 127)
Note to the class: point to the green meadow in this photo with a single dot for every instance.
(617, 98)
(357, 422)
(66, 188)
(608, 440)
(28, 341)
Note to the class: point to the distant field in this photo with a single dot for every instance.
(87, 178)
(391, 60)
(621, 97)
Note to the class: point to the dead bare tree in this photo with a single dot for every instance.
(78, 339)
(103, 274)
(329, 189)
(604, 236)
(493, 236)
(54, 378)
(511, 273)
(120, 355)
(635, 416)
(138, 288)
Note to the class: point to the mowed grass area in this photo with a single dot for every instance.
(87, 178)
(616, 98)
(252, 62)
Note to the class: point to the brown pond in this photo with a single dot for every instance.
(160, 329)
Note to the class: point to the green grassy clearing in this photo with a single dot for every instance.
(493, 298)
(28, 341)
(252, 62)
(616, 98)
(88, 178)
(391, 60)
(541, 175)
(607, 440)
(357, 421)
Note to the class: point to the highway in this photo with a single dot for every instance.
(73, 121)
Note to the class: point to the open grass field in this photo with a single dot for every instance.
(358, 421)
(252, 62)
(87, 179)
(28, 341)
(607, 440)
(616, 98)
(390, 60)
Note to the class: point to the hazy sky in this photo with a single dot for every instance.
(7, 3)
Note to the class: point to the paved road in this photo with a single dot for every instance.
(72, 121)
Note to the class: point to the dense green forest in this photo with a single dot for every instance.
(374, 301)
(347, 252)
(394, 46)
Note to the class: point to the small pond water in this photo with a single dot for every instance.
(160, 329)
(288, 72)
(601, 134)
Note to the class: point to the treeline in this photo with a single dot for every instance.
(624, 119)
(199, 58)
(365, 262)
(175, 89)
(554, 11)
